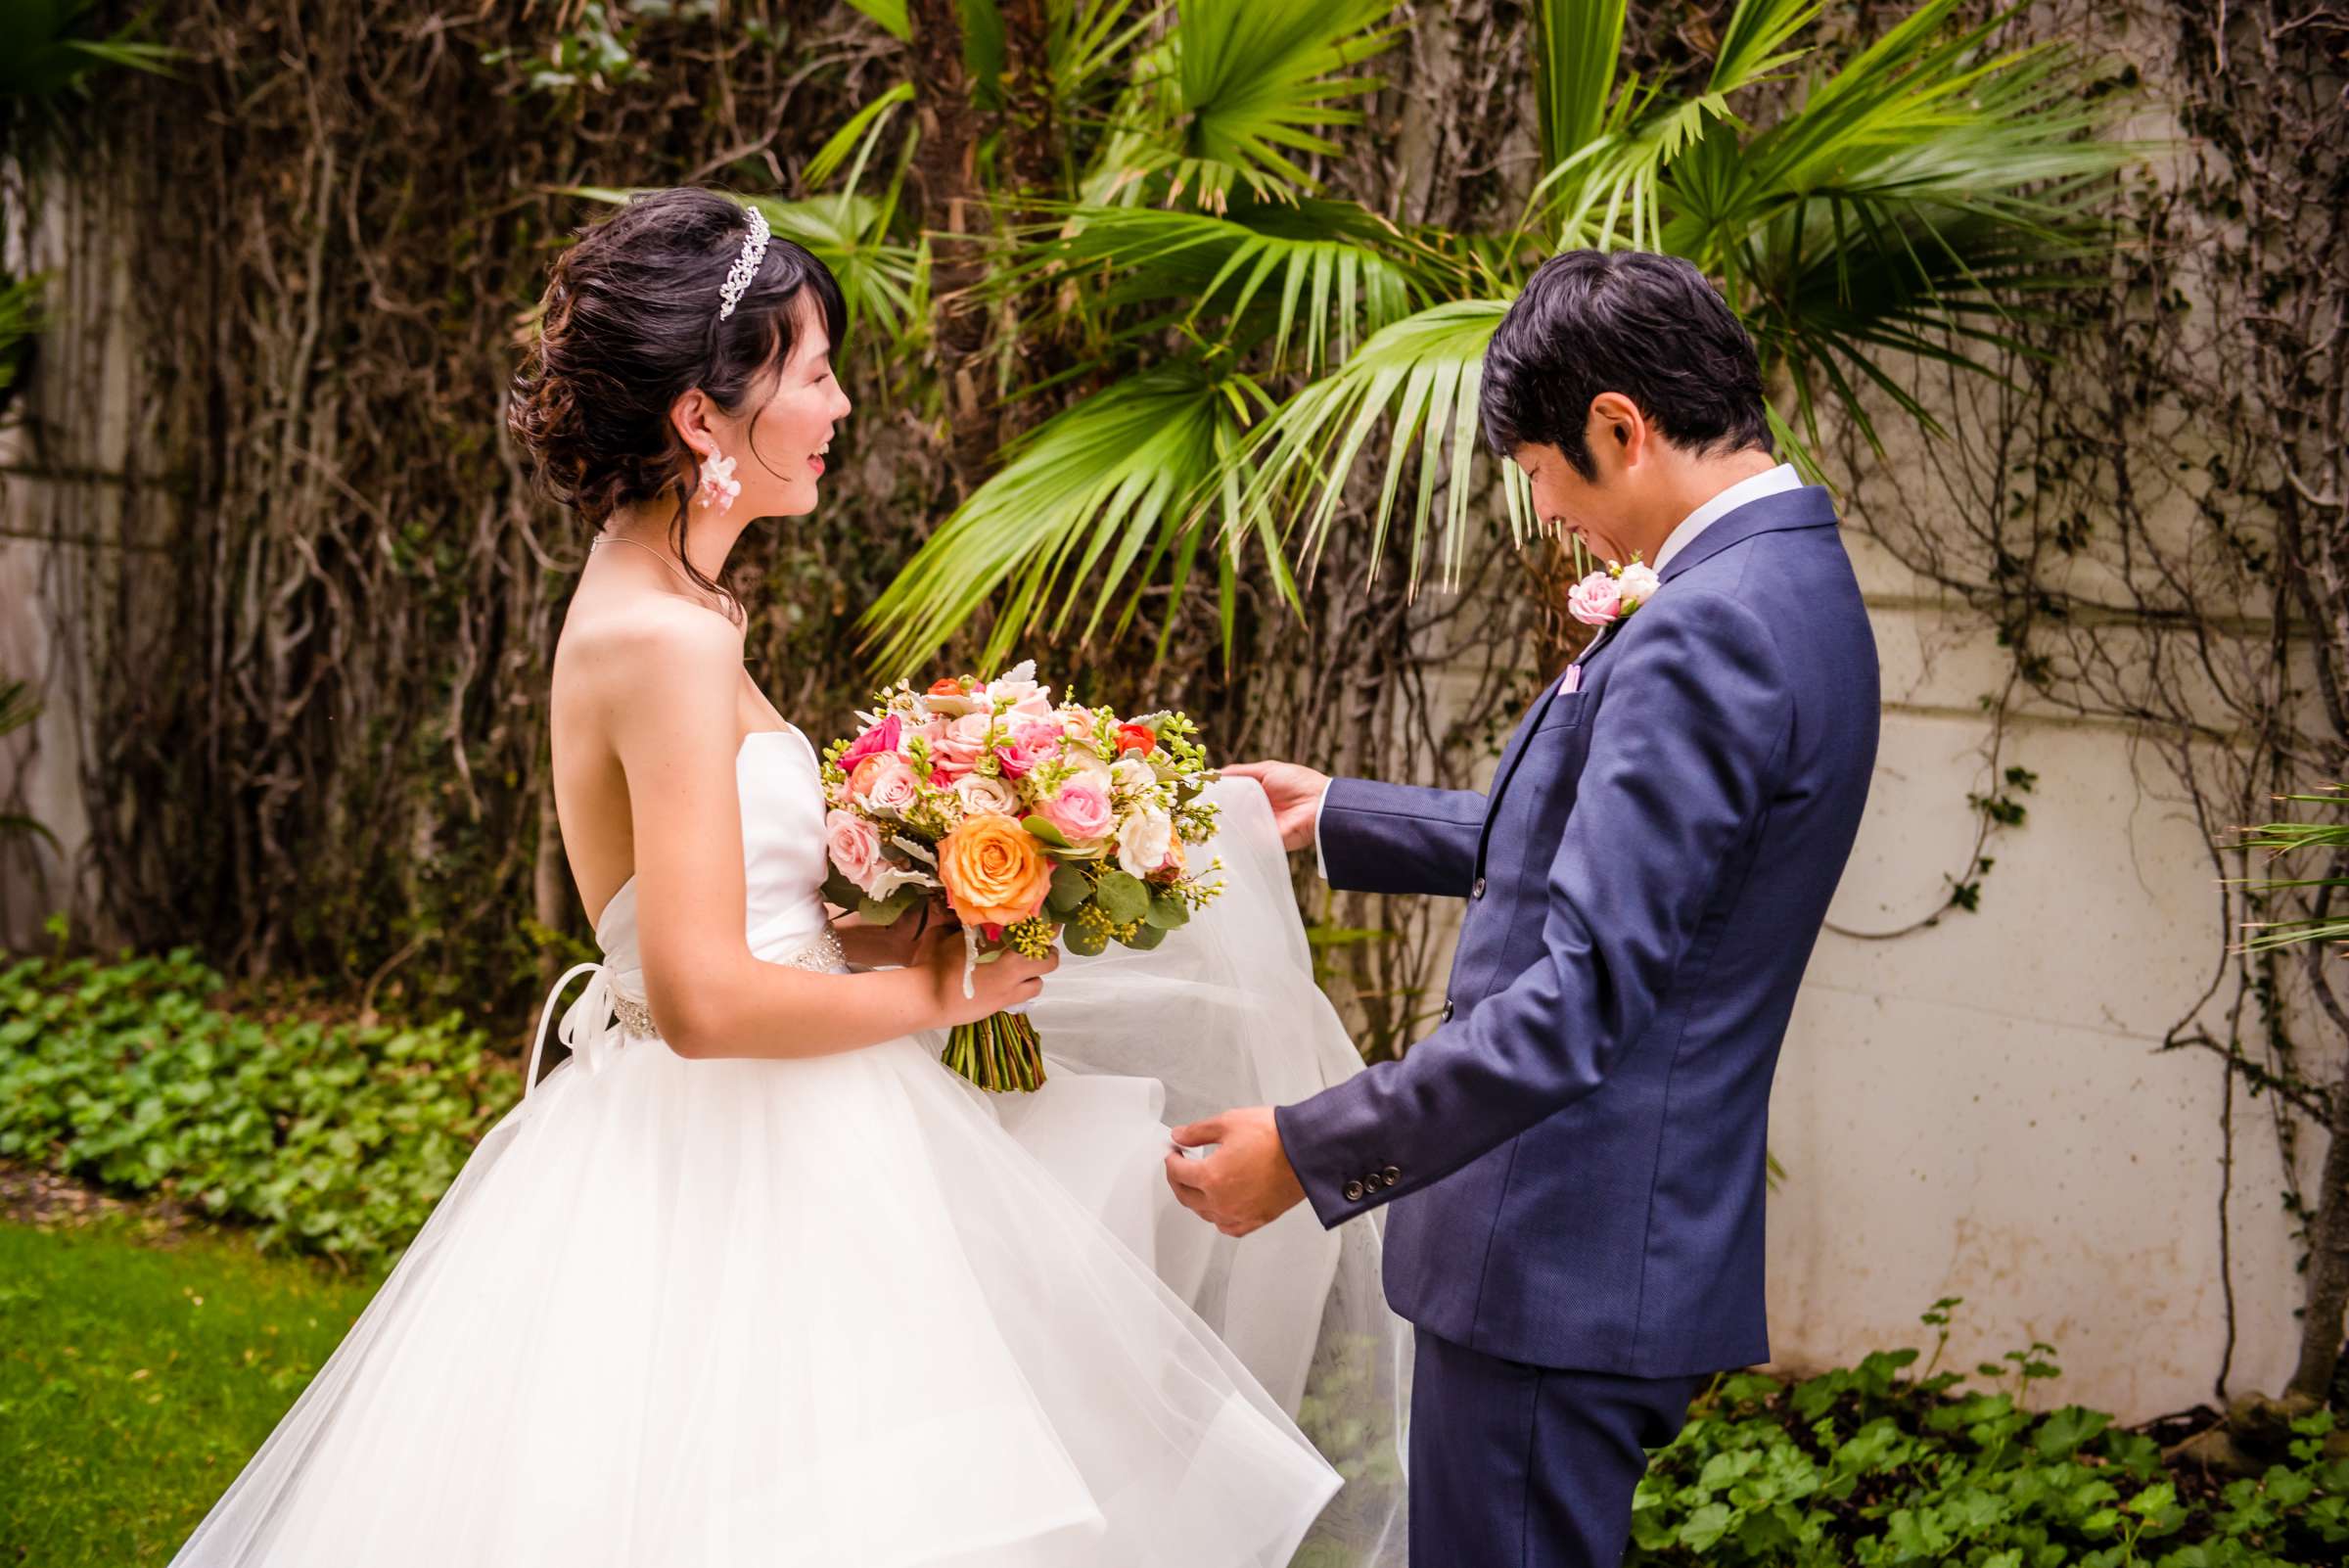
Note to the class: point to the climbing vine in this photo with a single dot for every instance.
(2155, 529)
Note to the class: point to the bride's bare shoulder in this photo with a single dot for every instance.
(643, 644)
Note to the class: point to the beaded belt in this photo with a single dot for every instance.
(822, 954)
(604, 1015)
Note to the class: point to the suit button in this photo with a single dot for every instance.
(1479, 891)
(1446, 1016)
(1371, 1182)
(1354, 1192)
(1391, 1175)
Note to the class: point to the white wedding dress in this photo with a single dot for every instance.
(850, 1310)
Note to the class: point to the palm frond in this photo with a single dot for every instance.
(889, 15)
(1418, 378)
(2298, 838)
(1236, 93)
(1089, 41)
(856, 136)
(884, 282)
(1098, 497)
(19, 706)
(1576, 44)
(1753, 45)
(1313, 277)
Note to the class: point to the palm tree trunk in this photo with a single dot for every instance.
(1028, 128)
(955, 214)
(2321, 1323)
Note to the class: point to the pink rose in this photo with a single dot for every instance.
(884, 783)
(855, 846)
(1031, 742)
(1077, 723)
(882, 737)
(1595, 600)
(957, 752)
(1079, 808)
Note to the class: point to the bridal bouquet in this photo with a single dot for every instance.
(1034, 822)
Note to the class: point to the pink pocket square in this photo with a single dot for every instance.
(1572, 681)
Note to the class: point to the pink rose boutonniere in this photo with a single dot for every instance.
(1605, 597)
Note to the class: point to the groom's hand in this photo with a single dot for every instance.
(1295, 791)
(1248, 1183)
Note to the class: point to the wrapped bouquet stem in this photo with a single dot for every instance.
(1036, 822)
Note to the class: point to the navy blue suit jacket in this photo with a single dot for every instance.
(1576, 1155)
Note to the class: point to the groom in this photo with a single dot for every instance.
(1575, 1155)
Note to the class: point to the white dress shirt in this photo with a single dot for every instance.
(1774, 481)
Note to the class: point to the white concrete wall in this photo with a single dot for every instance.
(1980, 1109)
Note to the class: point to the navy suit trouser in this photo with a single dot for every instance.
(1517, 1466)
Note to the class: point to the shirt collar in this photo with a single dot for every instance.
(1774, 481)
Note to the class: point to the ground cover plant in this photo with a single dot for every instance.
(1871, 1465)
(327, 1136)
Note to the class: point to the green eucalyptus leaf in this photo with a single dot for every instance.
(839, 890)
(1144, 938)
(884, 911)
(1070, 888)
(1122, 896)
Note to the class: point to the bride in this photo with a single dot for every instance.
(750, 1277)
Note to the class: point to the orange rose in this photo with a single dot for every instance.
(1136, 738)
(994, 871)
(946, 686)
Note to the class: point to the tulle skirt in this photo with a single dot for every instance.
(729, 1313)
(852, 1311)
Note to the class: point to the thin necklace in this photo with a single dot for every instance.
(621, 539)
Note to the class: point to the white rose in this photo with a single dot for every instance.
(1132, 774)
(1088, 765)
(1637, 583)
(983, 793)
(1144, 842)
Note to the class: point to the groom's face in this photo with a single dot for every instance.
(1589, 509)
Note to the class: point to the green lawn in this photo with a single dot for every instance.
(137, 1378)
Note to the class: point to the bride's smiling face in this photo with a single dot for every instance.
(778, 440)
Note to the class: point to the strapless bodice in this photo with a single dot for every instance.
(782, 858)
(777, 781)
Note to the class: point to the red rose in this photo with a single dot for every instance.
(1136, 738)
(947, 686)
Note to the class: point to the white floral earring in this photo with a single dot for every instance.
(718, 486)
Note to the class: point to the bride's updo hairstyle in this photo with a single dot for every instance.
(629, 325)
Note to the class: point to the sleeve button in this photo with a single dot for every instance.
(1354, 1192)
(1391, 1175)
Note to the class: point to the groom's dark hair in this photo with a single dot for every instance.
(1647, 326)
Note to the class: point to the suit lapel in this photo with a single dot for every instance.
(1511, 757)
